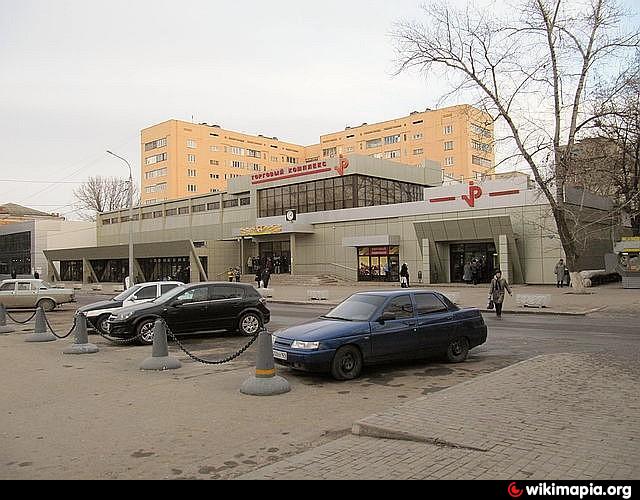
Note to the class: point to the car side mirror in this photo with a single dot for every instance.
(387, 316)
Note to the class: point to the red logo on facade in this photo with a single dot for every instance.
(343, 165)
(475, 193)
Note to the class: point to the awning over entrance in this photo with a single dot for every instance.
(142, 250)
(497, 228)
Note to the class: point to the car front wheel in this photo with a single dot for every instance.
(458, 350)
(102, 324)
(250, 324)
(145, 331)
(347, 363)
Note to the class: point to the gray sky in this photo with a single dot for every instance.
(80, 77)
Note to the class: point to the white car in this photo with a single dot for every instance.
(32, 293)
(98, 313)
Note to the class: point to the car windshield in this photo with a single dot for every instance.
(127, 293)
(167, 296)
(359, 307)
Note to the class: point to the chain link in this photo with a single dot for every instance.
(209, 362)
(21, 322)
(119, 341)
(75, 320)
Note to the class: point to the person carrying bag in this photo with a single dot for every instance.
(497, 291)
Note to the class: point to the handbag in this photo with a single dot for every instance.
(490, 305)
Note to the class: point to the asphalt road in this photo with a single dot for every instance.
(99, 417)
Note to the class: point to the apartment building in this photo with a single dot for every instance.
(181, 159)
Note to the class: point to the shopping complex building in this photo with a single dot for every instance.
(350, 216)
(181, 159)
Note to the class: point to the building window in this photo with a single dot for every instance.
(152, 160)
(392, 139)
(157, 215)
(192, 173)
(311, 160)
(448, 146)
(214, 149)
(449, 161)
(160, 143)
(158, 188)
(418, 151)
(171, 212)
(448, 129)
(292, 160)
(215, 163)
(330, 152)
(192, 188)
(237, 164)
(183, 211)
(199, 208)
(106, 222)
(418, 136)
(191, 158)
(147, 216)
(253, 153)
(162, 172)
(480, 146)
(349, 149)
(213, 206)
(484, 132)
(214, 190)
(374, 143)
(214, 176)
(274, 159)
(482, 162)
(245, 202)
(191, 144)
(234, 150)
(392, 154)
(230, 203)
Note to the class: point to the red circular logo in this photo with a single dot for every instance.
(514, 492)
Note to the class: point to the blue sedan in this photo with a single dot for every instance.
(377, 327)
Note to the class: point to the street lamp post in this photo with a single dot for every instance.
(132, 280)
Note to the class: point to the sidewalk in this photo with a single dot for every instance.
(556, 416)
(611, 298)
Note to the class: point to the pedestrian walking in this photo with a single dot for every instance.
(258, 276)
(404, 276)
(497, 291)
(475, 271)
(36, 275)
(13, 274)
(266, 276)
(560, 271)
(467, 273)
(238, 274)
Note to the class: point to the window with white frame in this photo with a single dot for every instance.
(161, 172)
(191, 144)
(448, 146)
(253, 153)
(392, 154)
(418, 151)
(448, 129)
(191, 158)
(214, 162)
(481, 146)
(418, 136)
(234, 150)
(152, 160)
(392, 139)
(330, 152)
(292, 160)
(192, 188)
(374, 143)
(160, 143)
(192, 173)
(449, 161)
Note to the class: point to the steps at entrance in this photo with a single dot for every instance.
(299, 280)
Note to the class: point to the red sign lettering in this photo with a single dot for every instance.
(475, 193)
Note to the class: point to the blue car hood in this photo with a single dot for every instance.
(324, 329)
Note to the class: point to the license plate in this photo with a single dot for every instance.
(280, 355)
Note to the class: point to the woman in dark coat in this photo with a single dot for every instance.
(258, 275)
(404, 276)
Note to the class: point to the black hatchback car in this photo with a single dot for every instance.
(198, 308)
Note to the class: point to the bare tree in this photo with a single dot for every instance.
(103, 194)
(533, 67)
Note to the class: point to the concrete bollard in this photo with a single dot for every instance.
(4, 328)
(265, 382)
(41, 333)
(81, 345)
(160, 360)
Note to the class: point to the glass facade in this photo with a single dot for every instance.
(167, 269)
(335, 194)
(464, 254)
(111, 271)
(15, 253)
(71, 270)
(379, 264)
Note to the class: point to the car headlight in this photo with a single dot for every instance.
(306, 346)
(124, 316)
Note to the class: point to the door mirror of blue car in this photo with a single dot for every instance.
(386, 316)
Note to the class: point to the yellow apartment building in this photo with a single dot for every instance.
(182, 159)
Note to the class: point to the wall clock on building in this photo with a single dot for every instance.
(292, 215)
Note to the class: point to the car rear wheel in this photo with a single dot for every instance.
(250, 324)
(347, 363)
(458, 350)
(102, 324)
(145, 331)
(47, 304)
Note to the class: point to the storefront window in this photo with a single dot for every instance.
(335, 194)
(15, 253)
(167, 269)
(71, 270)
(379, 264)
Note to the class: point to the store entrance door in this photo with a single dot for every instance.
(485, 256)
(277, 254)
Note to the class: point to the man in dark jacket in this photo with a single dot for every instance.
(266, 276)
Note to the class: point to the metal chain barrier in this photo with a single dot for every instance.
(119, 341)
(22, 322)
(61, 337)
(209, 362)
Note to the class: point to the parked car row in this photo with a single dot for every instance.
(366, 329)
